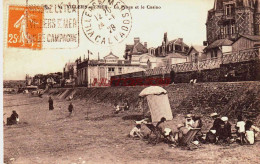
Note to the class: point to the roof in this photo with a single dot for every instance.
(178, 41)
(197, 48)
(251, 37)
(152, 90)
(219, 43)
(175, 55)
(111, 55)
(139, 47)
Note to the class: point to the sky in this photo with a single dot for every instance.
(179, 18)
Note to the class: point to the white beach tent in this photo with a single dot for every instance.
(158, 103)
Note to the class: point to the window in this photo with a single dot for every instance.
(232, 29)
(111, 69)
(214, 53)
(196, 57)
(229, 9)
(226, 30)
(177, 48)
(120, 70)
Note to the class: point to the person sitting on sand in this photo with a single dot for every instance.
(13, 119)
(169, 136)
(136, 132)
(182, 131)
(224, 131)
(217, 121)
(126, 105)
(189, 121)
(211, 136)
(118, 108)
(251, 132)
(160, 125)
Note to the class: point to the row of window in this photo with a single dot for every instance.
(112, 69)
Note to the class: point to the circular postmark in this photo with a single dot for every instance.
(106, 22)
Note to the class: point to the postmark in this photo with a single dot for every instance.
(106, 22)
(25, 27)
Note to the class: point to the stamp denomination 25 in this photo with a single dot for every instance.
(106, 22)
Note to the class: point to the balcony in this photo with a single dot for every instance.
(230, 17)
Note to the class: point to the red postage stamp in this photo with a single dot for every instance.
(25, 27)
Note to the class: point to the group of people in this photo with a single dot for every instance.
(124, 107)
(51, 107)
(219, 133)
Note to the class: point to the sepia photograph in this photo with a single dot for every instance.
(130, 81)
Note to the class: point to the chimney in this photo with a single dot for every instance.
(136, 40)
(182, 46)
(149, 51)
(145, 44)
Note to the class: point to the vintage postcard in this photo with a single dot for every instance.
(131, 81)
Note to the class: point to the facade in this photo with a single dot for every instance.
(228, 21)
(231, 18)
(94, 73)
(135, 50)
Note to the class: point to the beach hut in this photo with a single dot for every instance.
(158, 102)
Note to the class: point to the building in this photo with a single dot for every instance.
(218, 48)
(70, 72)
(132, 52)
(170, 47)
(245, 42)
(94, 73)
(228, 20)
(231, 18)
(196, 54)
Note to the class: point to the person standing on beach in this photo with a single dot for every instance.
(70, 108)
(51, 103)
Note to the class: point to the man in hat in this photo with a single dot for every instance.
(217, 121)
(50, 103)
(224, 131)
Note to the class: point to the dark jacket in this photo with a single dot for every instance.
(51, 104)
(70, 108)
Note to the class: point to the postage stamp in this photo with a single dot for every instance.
(44, 25)
(106, 22)
(25, 27)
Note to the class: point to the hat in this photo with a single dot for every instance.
(213, 114)
(213, 131)
(139, 122)
(224, 118)
(179, 126)
(189, 115)
(167, 131)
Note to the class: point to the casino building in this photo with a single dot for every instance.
(92, 73)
